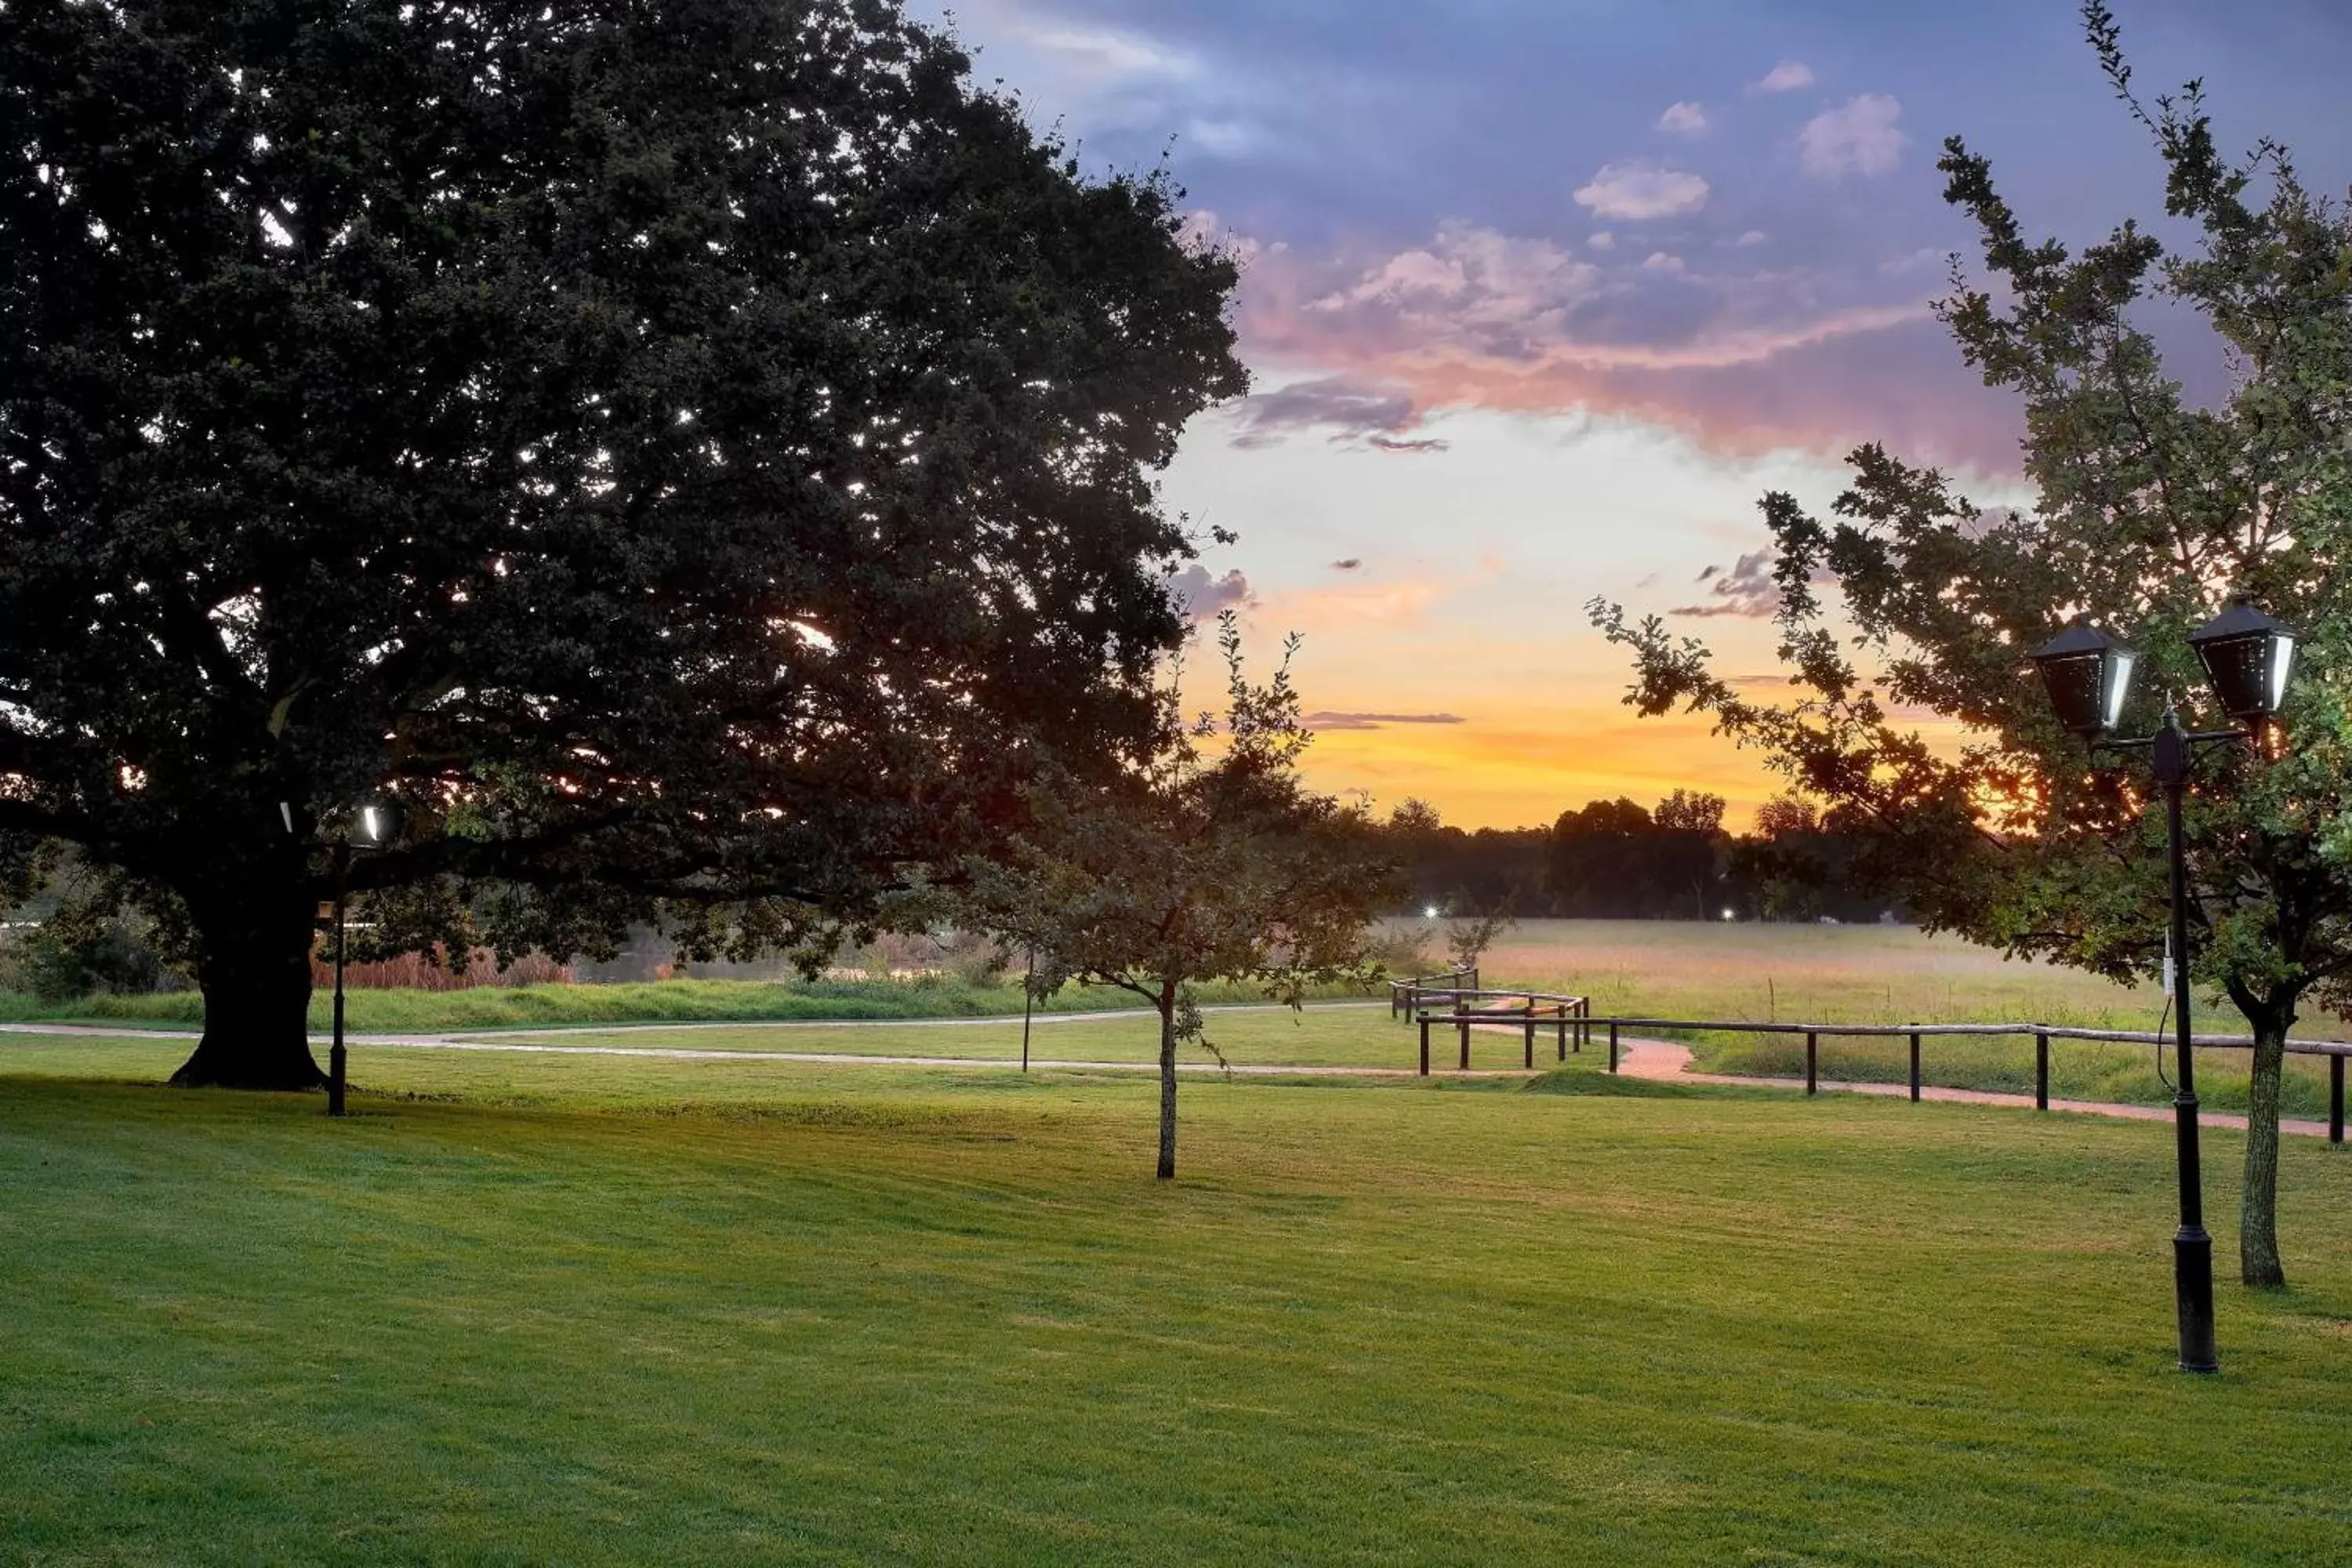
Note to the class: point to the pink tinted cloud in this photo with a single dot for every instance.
(1742, 361)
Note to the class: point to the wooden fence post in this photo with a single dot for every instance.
(1531, 1027)
(1424, 1045)
(1465, 1034)
(1915, 1069)
(1612, 1044)
(1563, 1031)
(1813, 1063)
(2042, 1071)
(2335, 1100)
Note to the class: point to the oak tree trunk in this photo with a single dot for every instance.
(1168, 1084)
(2258, 1251)
(253, 965)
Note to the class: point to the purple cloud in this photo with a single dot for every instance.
(1336, 720)
(1350, 408)
(1746, 590)
(1198, 595)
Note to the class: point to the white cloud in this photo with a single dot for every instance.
(1225, 137)
(1635, 193)
(1475, 287)
(1683, 118)
(1860, 137)
(1412, 275)
(1202, 229)
(1753, 238)
(1786, 77)
(1604, 240)
(1660, 261)
(1100, 55)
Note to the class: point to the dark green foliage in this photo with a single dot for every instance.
(689, 453)
(81, 950)
(1451, 868)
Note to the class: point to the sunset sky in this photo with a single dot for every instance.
(1541, 295)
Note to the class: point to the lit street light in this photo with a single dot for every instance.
(372, 827)
(2088, 672)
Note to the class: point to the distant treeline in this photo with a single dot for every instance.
(1614, 859)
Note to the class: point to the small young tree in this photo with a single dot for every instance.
(2151, 512)
(1467, 938)
(1212, 861)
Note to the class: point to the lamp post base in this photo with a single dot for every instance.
(2192, 1291)
(338, 1059)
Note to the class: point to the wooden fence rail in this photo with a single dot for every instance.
(1404, 994)
(1575, 1015)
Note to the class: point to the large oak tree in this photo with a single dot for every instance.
(690, 454)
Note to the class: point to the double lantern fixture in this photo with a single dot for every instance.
(2247, 657)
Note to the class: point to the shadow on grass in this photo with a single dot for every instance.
(1601, 1085)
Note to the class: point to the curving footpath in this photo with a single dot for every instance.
(1664, 1060)
(1657, 1060)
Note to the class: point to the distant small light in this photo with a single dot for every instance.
(1430, 913)
(1729, 915)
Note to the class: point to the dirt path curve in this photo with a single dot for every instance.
(854, 1058)
(530, 1032)
(533, 1042)
(1663, 1059)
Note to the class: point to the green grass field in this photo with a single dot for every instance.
(584, 1006)
(1658, 968)
(606, 1310)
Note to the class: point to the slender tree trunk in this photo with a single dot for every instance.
(252, 965)
(2258, 1251)
(1167, 1083)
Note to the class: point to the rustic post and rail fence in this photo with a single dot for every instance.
(1466, 1006)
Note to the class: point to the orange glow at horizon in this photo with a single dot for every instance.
(1524, 769)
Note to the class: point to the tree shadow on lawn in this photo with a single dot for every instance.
(1614, 1085)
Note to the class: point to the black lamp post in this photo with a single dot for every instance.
(370, 827)
(2247, 655)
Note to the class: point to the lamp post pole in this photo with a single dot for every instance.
(338, 1059)
(1028, 1001)
(2088, 672)
(2192, 1249)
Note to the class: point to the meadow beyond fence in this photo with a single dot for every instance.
(1857, 1003)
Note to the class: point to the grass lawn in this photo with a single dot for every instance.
(563, 1007)
(606, 1310)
